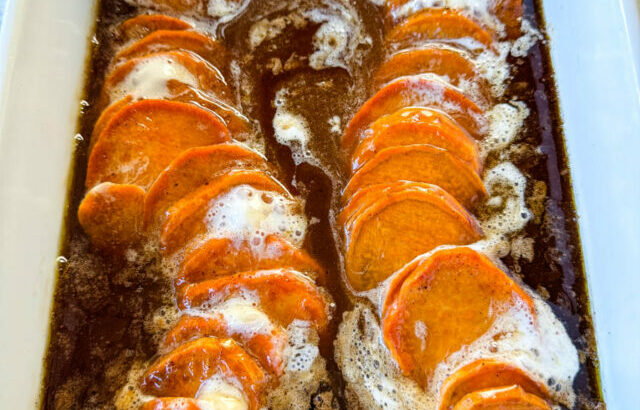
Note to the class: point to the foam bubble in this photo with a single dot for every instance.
(248, 214)
(149, 78)
(292, 130)
(505, 123)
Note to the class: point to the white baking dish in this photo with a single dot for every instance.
(43, 45)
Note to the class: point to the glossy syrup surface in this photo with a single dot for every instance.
(104, 303)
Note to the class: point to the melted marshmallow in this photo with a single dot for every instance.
(218, 394)
(148, 79)
(246, 213)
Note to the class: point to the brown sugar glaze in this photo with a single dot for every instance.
(103, 302)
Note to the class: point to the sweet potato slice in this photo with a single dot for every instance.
(447, 62)
(221, 256)
(484, 374)
(206, 78)
(449, 300)
(368, 195)
(237, 124)
(420, 163)
(267, 346)
(167, 40)
(508, 397)
(416, 125)
(195, 168)
(400, 226)
(419, 91)
(182, 372)
(111, 215)
(140, 26)
(438, 24)
(173, 403)
(186, 218)
(144, 137)
(284, 295)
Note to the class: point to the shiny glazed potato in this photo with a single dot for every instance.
(400, 225)
(221, 256)
(284, 295)
(420, 163)
(193, 169)
(454, 296)
(416, 126)
(419, 91)
(182, 372)
(144, 137)
(185, 219)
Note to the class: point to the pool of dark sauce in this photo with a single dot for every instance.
(102, 302)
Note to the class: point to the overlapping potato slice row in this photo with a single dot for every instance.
(183, 371)
(509, 12)
(486, 374)
(419, 91)
(266, 345)
(176, 403)
(284, 295)
(416, 126)
(186, 218)
(452, 297)
(420, 163)
(400, 225)
(222, 256)
(140, 141)
(111, 215)
(439, 24)
(162, 72)
(508, 397)
(144, 137)
(448, 62)
(168, 40)
(193, 169)
(142, 25)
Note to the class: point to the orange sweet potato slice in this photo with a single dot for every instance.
(181, 372)
(111, 215)
(483, 374)
(400, 226)
(171, 403)
(186, 218)
(139, 26)
(167, 40)
(508, 397)
(416, 125)
(193, 169)
(418, 91)
(236, 122)
(420, 163)
(368, 195)
(438, 24)
(144, 137)
(284, 295)
(444, 61)
(268, 347)
(221, 256)
(209, 79)
(454, 296)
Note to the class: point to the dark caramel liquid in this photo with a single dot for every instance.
(102, 301)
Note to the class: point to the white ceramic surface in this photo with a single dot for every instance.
(42, 53)
(595, 49)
